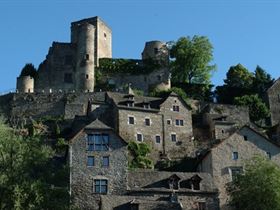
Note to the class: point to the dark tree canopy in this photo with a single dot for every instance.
(258, 188)
(262, 80)
(257, 109)
(29, 70)
(192, 58)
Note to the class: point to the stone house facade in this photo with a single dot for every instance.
(164, 123)
(98, 163)
(227, 158)
(272, 98)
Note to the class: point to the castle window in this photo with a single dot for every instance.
(175, 108)
(98, 142)
(101, 186)
(90, 161)
(147, 122)
(173, 137)
(158, 139)
(201, 206)
(131, 120)
(68, 78)
(168, 122)
(156, 51)
(130, 103)
(245, 138)
(87, 57)
(105, 161)
(105, 35)
(235, 155)
(139, 137)
(86, 76)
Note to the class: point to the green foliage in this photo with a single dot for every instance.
(258, 188)
(240, 82)
(29, 70)
(165, 93)
(28, 177)
(192, 57)
(139, 154)
(110, 65)
(257, 109)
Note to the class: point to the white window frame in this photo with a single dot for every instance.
(176, 139)
(142, 137)
(157, 135)
(134, 120)
(149, 121)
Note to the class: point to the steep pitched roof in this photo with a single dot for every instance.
(97, 124)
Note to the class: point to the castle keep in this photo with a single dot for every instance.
(71, 66)
(210, 140)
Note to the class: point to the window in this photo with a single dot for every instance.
(139, 137)
(130, 104)
(175, 108)
(147, 122)
(131, 120)
(179, 122)
(168, 122)
(201, 206)
(245, 138)
(101, 186)
(98, 142)
(86, 76)
(268, 155)
(234, 172)
(105, 35)
(87, 57)
(90, 161)
(105, 161)
(173, 137)
(158, 139)
(68, 78)
(156, 51)
(235, 155)
(146, 106)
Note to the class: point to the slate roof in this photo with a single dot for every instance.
(97, 124)
(121, 100)
(125, 203)
(149, 180)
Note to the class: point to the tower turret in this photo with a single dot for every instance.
(25, 84)
(84, 78)
(156, 50)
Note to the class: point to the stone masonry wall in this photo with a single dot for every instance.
(273, 102)
(82, 176)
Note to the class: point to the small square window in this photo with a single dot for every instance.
(105, 161)
(105, 35)
(234, 172)
(131, 120)
(101, 186)
(87, 76)
(176, 108)
(139, 137)
(87, 57)
(168, 122)
(147, 122)
(179, 122)
(235, 155)
(173, 137)
(158, 139)
(245, 138)
(90, 161)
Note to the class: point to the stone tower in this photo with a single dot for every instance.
(93, 39)
(25, 84)
(156, 50)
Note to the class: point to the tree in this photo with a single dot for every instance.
(29, 179)
(262, 80)
(29, 70)
(238, 83)
(192, 57)
(139, 154)
(258, 188)
(257, 109)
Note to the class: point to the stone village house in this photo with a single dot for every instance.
(100, 178)
(226, 159)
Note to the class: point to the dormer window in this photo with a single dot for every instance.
(195, 182)
(130, 103)
(146, 106)
(174, 182)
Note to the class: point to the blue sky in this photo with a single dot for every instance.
(245, 32)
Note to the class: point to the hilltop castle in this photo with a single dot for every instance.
(71, 66)
(211, 140)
